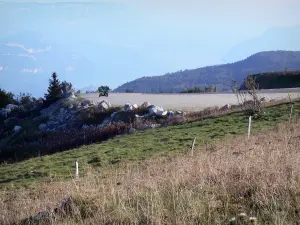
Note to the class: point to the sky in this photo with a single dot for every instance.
(127, 39)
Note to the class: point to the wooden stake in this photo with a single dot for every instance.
(76, 169)
(193, 146)
(292, 106)
(249, 126)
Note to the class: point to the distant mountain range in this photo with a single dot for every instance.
(219, 75)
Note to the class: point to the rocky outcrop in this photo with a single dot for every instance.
(225, 107)
(7, 111)
(104, 105)
(17, 128)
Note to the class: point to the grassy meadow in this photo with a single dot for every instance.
(139, 146)
(150, 177)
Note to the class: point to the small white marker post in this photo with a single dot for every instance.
(193, 146)
(76, 169)
(292, 106)
(249, 127)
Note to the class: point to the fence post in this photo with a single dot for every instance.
(76, 169)
(193, 146)
(249, 126)
(291, 113)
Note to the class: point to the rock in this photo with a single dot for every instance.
(135, 106)
(85, 126)
(157, 111)
(86, 102)
(131, 130)
(104, 105)
(43, 127)
(8, 110)
(124, 116)
(17, 128)
(70, 95)
(225, 107)
(128, 107)
(145, 105)
(149, 127)
(162, 113)
(3, 112)
(171, 114)
(11, 107)
(263, 99)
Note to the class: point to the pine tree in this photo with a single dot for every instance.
(54, 89)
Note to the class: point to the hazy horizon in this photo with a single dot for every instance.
(112, 42)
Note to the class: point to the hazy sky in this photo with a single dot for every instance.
(160, 35)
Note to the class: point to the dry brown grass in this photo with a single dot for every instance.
(259, 177)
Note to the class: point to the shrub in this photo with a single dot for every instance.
(249, 100)
(51, 142)
(66, 87)
(6, 98)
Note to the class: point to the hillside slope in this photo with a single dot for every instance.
(274, 80)
(219, 75)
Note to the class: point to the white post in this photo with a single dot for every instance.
(76, 169)
(249, 127)
(193, 146)
(292, 106)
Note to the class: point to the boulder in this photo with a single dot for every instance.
(135, 106)
(145, 105)
(171, 114)
(225, 107)
(149, 127)
(43, 127)
(263, 99)
(128, 107)
(8, 110)
(131, 130)
(86, 102)
(70, 95)
(85, 126)
(104, 105)
(162, 113)
(17, 128)
(11, 107)
(124, 116)
(157, 111)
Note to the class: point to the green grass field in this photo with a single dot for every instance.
(139, 146)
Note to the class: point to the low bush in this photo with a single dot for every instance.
(34, 144)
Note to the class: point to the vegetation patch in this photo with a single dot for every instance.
(140, 145)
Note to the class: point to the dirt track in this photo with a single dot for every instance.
(190, 102)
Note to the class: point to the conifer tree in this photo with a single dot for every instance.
(54, 89)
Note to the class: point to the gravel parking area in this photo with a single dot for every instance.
(190, 102)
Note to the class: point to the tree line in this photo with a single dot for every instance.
(56, 90)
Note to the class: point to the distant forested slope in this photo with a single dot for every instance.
(219, 75)
(274, 80)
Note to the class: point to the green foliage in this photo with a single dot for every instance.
(128, 91)
(54, 89)
(66, 87)
(92, 115)
(141, 144)
(199, 90)
(6, 98)
(274, 80)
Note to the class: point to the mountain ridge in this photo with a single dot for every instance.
(218, 75)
